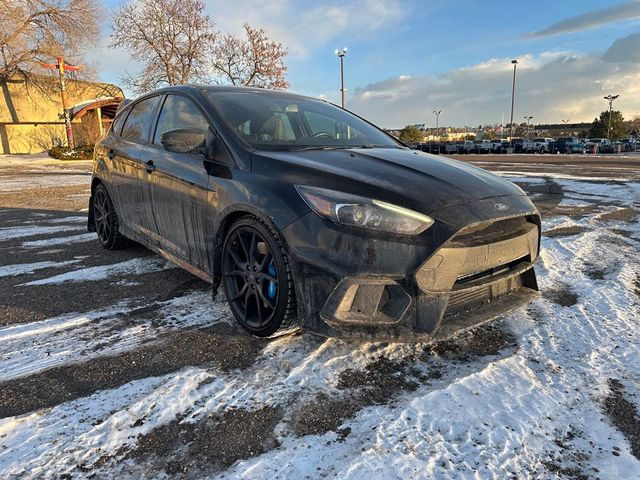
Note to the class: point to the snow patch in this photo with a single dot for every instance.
(136, 266)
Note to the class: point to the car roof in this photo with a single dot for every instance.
(195, 88)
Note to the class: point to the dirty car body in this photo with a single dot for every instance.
(380, 241)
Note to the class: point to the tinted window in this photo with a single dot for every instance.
(179, 112)
(138, 123)
(116, 126)
(275, 121)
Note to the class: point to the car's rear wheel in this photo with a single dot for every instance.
(256, 277)
(106, 220)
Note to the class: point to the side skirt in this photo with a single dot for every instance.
(181, 262)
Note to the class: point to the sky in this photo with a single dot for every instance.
(407, 58)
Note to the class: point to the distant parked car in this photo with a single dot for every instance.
(611, 147)
(543, 145)
(499, 146)
(629, 144)
(466, 146)
(569, 145)
(482, 146)
(594, 145)
(450, 147)
(522, 145)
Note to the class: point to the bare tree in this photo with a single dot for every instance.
(173, 39)
(33, 32)
(256, 61)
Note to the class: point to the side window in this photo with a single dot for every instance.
(179, 112)
(116, 126)
(138, 123)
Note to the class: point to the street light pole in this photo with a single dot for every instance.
(528, 119)
(610, 98)
(341, 54)
(513, 96)
(564, 129)
(437, 114)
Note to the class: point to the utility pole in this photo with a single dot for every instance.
(62, 66)
(513, 97)
(528, 119)
(341, 54)
(437, 114)
(610, 99)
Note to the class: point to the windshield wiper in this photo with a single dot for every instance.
(321, 147)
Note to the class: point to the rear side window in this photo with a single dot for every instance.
(116, 126)
(179, 112)
(138, 123)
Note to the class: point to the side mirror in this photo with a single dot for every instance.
(184, 140)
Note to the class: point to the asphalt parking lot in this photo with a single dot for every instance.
(118, 364)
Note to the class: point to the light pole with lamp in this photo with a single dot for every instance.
(437, 114)
(513, 97)
(610, 99)
(528, 119)
(341, 54)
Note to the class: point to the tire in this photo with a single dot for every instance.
(256, 277)
(106, 220)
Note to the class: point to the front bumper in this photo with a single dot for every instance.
(457, 275)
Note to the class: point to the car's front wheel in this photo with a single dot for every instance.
(256, 277)
(106, 220)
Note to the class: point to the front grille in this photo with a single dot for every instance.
(489, 274)
(459, 300)
(489, 232)
(464, 301)
(480, 254)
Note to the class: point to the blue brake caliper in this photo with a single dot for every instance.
(271, 288)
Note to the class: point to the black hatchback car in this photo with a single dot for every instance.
(308, 214)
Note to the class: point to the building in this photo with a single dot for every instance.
(31, 112)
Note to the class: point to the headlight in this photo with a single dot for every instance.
(361, 212)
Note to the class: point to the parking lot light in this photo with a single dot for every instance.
(610, 99)
(437, 114)
(528, 119)
(341, 54)
(513, 96)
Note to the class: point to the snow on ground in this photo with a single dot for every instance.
(523, 398)
(10, 233)
(42, 181)
(32, 347)
(28, 268)
(48, 242)
(136, 266)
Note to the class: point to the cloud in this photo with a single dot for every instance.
(592, 19)
(550, 86)
(302, 25)
(626, 49)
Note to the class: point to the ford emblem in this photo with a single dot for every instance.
(501, 206)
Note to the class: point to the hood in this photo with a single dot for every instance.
(410, 178)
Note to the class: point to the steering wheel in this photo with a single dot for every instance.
(323, 135)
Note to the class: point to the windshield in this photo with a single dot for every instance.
(272, 121)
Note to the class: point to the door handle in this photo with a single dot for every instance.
(149, 166)
(111, 154)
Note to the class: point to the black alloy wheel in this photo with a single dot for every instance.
(256, 277)
(106, 220)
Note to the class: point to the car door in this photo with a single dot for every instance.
(184, 217)
(126, 165)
